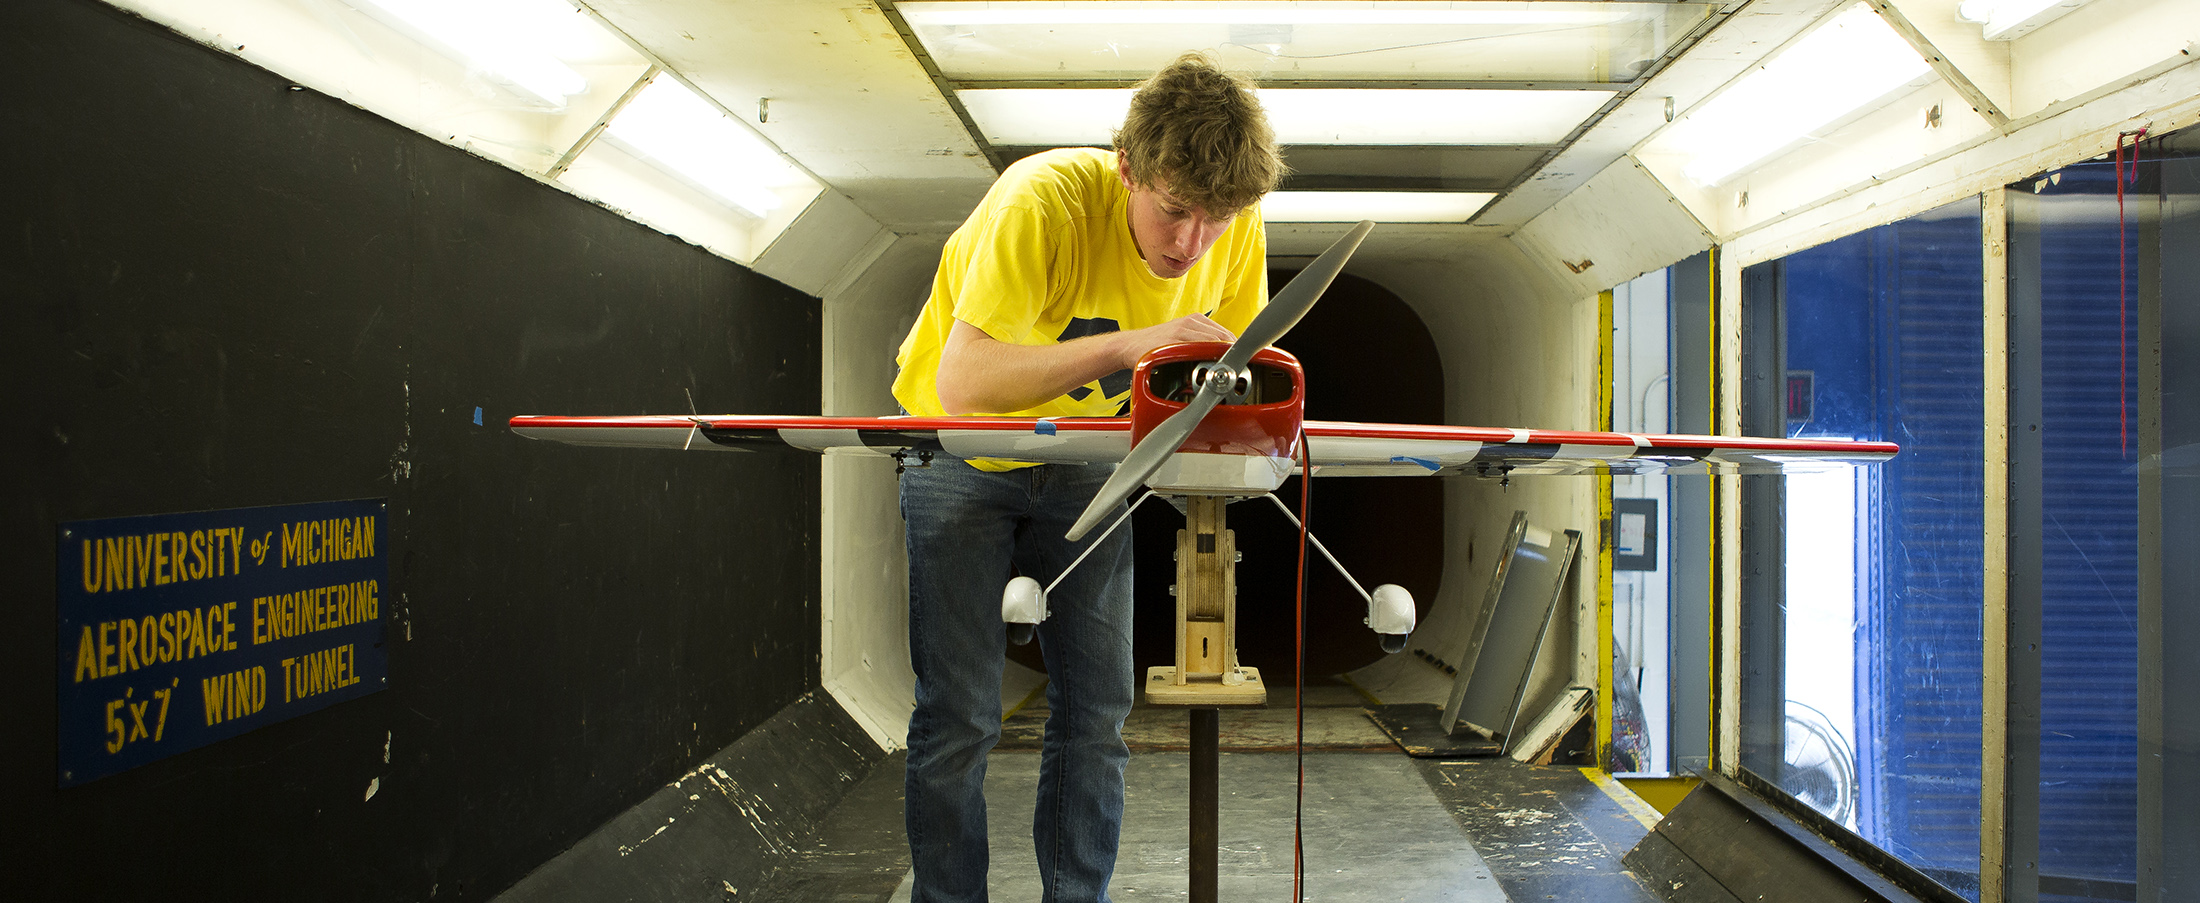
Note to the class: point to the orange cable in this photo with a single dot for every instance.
(2123, 360)
(1298, 676)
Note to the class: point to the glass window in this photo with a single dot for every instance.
(1862, 589)
(1641, 609)
(2102, 264)
(1661, 581)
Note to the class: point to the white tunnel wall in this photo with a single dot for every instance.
(864, 582)
(1518, 349)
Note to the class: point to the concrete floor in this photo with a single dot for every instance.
(1379, 825)
(1373, 831)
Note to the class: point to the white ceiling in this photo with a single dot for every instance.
(840, 89)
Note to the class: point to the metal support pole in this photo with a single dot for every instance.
(1206, 757)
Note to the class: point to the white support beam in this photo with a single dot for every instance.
(2161, 98)
(1982, 103)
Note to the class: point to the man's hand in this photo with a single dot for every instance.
(1193, 328)
(980, 374)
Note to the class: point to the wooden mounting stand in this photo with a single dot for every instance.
(1207, 673)
(1207, 670)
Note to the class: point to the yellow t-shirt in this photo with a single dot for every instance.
(1048, 257)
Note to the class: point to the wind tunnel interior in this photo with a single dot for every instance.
(237, 291)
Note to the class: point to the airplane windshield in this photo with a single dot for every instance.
(1175, 382)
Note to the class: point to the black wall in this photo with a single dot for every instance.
(224, 292)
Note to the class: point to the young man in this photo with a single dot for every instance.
(1077, 263)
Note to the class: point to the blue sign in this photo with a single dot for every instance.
(180, 630)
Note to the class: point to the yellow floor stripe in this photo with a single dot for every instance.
(1028, 698)
(1371, 700)
(1624, 797)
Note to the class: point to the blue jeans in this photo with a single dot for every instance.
(966, 528)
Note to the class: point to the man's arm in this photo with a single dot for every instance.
(980, 374)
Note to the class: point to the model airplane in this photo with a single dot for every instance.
(1216, 420)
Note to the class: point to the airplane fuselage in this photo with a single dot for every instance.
(1247, 445)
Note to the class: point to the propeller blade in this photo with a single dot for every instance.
(1282, 313)
(1298, 297)
(1151, 453)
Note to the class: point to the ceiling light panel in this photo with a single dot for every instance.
(1484, 40)
(1850, 63)
(1380, 206)
(523, 44)
(1403, 116)
(685, 136)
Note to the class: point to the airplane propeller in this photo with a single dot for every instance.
(1221, 378)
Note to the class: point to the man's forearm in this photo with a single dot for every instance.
(980, 374)
(983, 375)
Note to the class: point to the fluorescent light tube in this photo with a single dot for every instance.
(505, 38)
(1403, 116)
(1185, 12)
(1380, 206)
(679, 132)
(1850, 61)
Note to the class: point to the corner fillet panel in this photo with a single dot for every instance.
(1725, 842)
(724, 829)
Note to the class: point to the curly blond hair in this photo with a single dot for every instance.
(1202, 131)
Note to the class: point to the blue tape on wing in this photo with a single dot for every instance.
(477, 416)
(1045, 428)
(1424, 462)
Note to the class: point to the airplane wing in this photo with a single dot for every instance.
(1401, 449)
(1337, 448)
(1050, 440)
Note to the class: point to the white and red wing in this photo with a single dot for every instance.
(1403, 449)
(1337, 448)
(1057, 440)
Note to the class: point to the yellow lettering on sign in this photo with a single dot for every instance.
(293, 544)
(114, 727)
(286, 615)
(117, 647)
(320, 672)
(194, 633)
(314, 542)
(87, 655)
(126, 644)
(116, 563)
(106, 650)
(228, 697)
